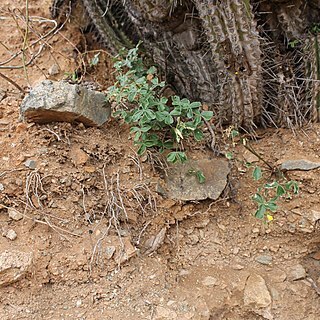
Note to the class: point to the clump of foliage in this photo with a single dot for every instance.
(156, 121)
(269, 193)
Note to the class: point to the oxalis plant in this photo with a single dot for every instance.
(269, 193)
(156, 121)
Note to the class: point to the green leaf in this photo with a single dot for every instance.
(234, 133)
(149, 114)
(272, 206)
(176, 156)
(142, 150)
(190, 114)
(207, 115)
(176, 112)
(271, 185)
(260, 212)
(280, 191)
(152, 70)
(137, 136)
(198, 134)
(168, 144)
(195, 104)
(168, 119)
(229, 155)
(292, 185)
(257, 173)
(200, 176)
(257, 197)
(137, 115)
(172, 157)
(134, 129)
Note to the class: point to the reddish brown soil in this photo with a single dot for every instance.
(66, 214)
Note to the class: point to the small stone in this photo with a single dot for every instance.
(236, 250)
(53, 70)
(21, 127)
(275, 248)
(297, 272)
(316, 255)
(11, 235)
(14, 214)
(301, 164)
(209, 281)
(164, 313)
(264, 259)
(1, 187)
(78, 303)
(255, 230)
(78, 156)
(31, 164)
(202, 223)
(14, 265)
(237, 267)
(256, 293)
(110, 250)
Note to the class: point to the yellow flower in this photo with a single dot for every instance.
(269, 217)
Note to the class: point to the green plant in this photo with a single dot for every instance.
(156, 121)
(268, 194)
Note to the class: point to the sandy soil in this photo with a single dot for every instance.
(91, 260)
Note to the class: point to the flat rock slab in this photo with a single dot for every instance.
(14, 265)
(182, 184)
(301, 164)
(53, 101)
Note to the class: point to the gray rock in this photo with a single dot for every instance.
(301, 164)
(14, 214)
(54, 70)
(11, 235)
(297, 272)
(31, 164)
(256, 293)
(182, 184)
(264, 259)
(13, 266)
(61, 101)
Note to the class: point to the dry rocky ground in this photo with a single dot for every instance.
(86, 236)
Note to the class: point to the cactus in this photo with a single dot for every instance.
(253, 62)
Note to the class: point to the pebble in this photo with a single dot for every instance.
(54, 70)
(264, 259)
(78, 303)
(31, 164)
(14, 214)
(11, 235)
(255, 230)
(209, 281)
(297, 272)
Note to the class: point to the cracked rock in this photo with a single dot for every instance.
(61, 101)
